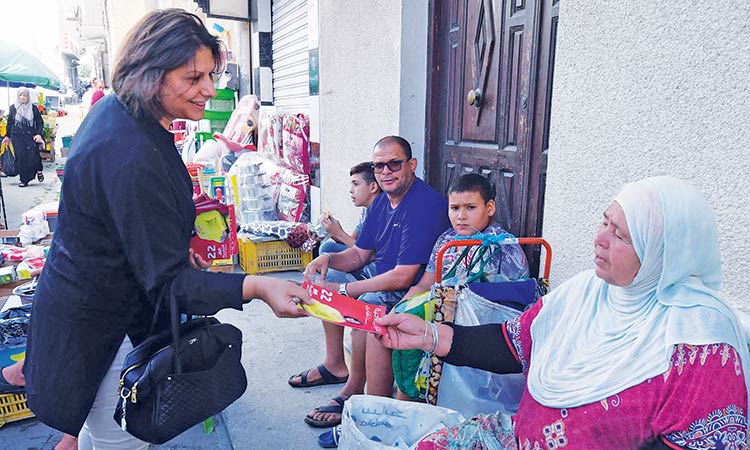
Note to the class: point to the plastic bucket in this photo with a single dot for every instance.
(51, 220)
(66, 141)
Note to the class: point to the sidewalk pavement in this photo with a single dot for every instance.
(270, 415)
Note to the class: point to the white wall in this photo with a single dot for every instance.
(360, 91)
(645, 88)
(414, 77)
(123, 15)
(373, 73)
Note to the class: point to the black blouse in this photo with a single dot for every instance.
(124, 225)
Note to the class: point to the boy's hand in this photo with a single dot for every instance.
(332, 226)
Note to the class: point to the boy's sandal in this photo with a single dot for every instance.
(330, 439)
(335, 409)
(326, 377)
(40, 176)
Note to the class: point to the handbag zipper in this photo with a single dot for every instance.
(133, 391)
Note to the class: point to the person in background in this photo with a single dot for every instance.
(24, 131)
(471, 210)
(400, 229)
(122, 245)
(98, 92)
(640, 353)
(363, 189)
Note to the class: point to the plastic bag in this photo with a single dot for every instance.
(295, 143)
(408, 365)
(242, 123)
(374, 423)
(474, 391)
(269, 133)
(8, 160)
(293, 188)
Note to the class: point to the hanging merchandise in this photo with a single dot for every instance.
(269, 133)
(295, 143)
(242, 125)
(293, 188)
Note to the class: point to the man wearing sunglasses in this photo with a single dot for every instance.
(401, 227)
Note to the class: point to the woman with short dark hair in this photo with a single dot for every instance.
(124, 226)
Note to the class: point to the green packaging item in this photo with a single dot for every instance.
(7, 275)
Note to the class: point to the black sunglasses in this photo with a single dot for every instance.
(393, 166)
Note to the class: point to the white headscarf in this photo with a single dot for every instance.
(24, 110)
(592, 340)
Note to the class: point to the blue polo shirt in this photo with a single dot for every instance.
(404, 235)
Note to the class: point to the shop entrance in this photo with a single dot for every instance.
(489, 95)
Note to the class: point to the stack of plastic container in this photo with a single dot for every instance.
(255, 200)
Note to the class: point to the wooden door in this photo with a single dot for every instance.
(488, 101)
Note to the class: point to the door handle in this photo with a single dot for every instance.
(474, 97)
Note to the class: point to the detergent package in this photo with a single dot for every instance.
(215, 229)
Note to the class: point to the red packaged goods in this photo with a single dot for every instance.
(242, 123)
(295, 143)
(215, 229)
(342, 310)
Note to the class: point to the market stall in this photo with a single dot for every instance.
(262, 173)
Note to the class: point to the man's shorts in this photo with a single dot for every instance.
(387, 298)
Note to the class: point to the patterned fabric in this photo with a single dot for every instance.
(699, 403)
(271, 228)
(487, 432)
(510, 263)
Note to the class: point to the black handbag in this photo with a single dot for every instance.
(180, 377)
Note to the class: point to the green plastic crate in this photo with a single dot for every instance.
(217, 115)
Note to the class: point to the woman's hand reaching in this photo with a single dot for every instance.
(280, 295)
(404, 332)
(407, 331)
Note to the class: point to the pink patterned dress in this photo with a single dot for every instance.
(700, 403)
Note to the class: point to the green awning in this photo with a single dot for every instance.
(20, 68)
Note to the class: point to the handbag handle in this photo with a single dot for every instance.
(174, 319)
(174, 325)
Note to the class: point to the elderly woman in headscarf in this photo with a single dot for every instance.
(25, 127)
(640, 353)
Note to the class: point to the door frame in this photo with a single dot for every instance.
(531, 221)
